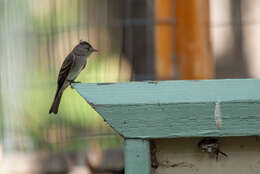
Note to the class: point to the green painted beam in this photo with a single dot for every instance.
(171, 109)
(137, 156)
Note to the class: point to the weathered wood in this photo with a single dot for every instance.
(172, 109)
(137, 156)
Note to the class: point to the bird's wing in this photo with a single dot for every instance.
(65, 69)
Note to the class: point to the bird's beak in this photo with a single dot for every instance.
(94, 50)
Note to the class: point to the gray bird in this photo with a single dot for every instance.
(73, 64)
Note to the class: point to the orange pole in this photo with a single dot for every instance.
(164, 43)
(193, 48)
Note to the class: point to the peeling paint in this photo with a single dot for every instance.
(218, 115)
(152, 82)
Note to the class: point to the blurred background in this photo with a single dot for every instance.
(137, 40)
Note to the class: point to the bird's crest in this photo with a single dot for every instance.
(82, 42)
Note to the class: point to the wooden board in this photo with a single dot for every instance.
(171, 109)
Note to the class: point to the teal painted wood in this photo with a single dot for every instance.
(164, 92)
(137, 156)
(171, 109)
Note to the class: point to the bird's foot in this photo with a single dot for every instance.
(72, 81)
(75, 81)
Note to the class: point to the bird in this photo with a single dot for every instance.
(71, 67)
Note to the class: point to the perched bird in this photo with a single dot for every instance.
(73, 64)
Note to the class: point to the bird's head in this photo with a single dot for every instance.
(84, 48)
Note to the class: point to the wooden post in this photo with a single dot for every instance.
(137, 156)
(164, 39)
(193, 46)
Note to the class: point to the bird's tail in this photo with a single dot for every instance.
(56, 102)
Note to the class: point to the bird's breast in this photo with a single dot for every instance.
(76, 68)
